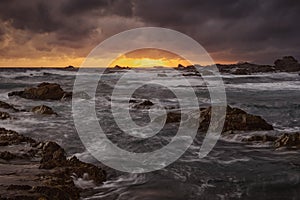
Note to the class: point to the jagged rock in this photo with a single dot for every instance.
(7, 106)
(288, 140)
(4, 115)
(7, 155)
(9, 137)
(173, 117)
(243, 71)
(52, 156)
(48, 176)
(80, 168)
(287, 64)
(45, 110)
(260, 138)
(144, 105)
(236, 119)
(44, 91)
(117, 67)
(244, 68)
(71, 68)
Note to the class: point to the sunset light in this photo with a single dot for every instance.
(149, 57)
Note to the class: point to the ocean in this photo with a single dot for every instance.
(232, 170)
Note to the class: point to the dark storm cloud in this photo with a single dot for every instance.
(242, 30)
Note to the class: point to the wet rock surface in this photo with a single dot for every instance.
(285, 64)
(7, 106)
(44, 91)
(287, 140)
(236, 120)
(43, 110)
(40, 170)
(4, 116)
(147, 104)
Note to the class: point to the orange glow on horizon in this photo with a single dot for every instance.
(149, 57)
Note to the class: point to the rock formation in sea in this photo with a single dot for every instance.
(285, 140)
(44, 91)
(286, 64)
(40, 170)
(236, 120)
(44, 110)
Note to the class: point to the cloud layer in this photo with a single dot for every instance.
(230, 30)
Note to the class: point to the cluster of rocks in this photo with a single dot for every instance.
(40, 170)
(286, 140)
(236, 120)
(286, 64)
(42, 109)
(44, 91)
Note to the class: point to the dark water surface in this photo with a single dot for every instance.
(233, 170)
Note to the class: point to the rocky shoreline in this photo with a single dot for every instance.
(33, 169)
(286, 64)
(40, 170)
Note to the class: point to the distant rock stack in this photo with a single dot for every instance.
(287, 64)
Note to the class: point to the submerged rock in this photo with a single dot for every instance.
(288, 140)
(147, 104)
(287, 64)
(8, 137)
(7, 106)
(4, 115)
(44, 110)
(236, 119)
(45, 173)
(44, 91)
(260, 138)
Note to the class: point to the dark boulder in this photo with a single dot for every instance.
(236, 119)
(44, 110)
(44, 91)
(287, 64)
(6, 155)
(8, 137)
(7, 106)
(4, 115)
(147, 104)
(260, 138)
(45, 174)
(52, 156)
(288, 140)
(173, 117)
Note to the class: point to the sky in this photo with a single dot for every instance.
(63, 32)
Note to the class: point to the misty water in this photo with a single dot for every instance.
(232, 170)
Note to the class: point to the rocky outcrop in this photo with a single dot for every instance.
(4, 115)
(260, 138)
(288, 140)
(245, 68)
(7, 106)
(70, 68)
(287, 64)
(236, 120)
(40, 170)
(44, 91)
(43, 110)
(147, 104)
